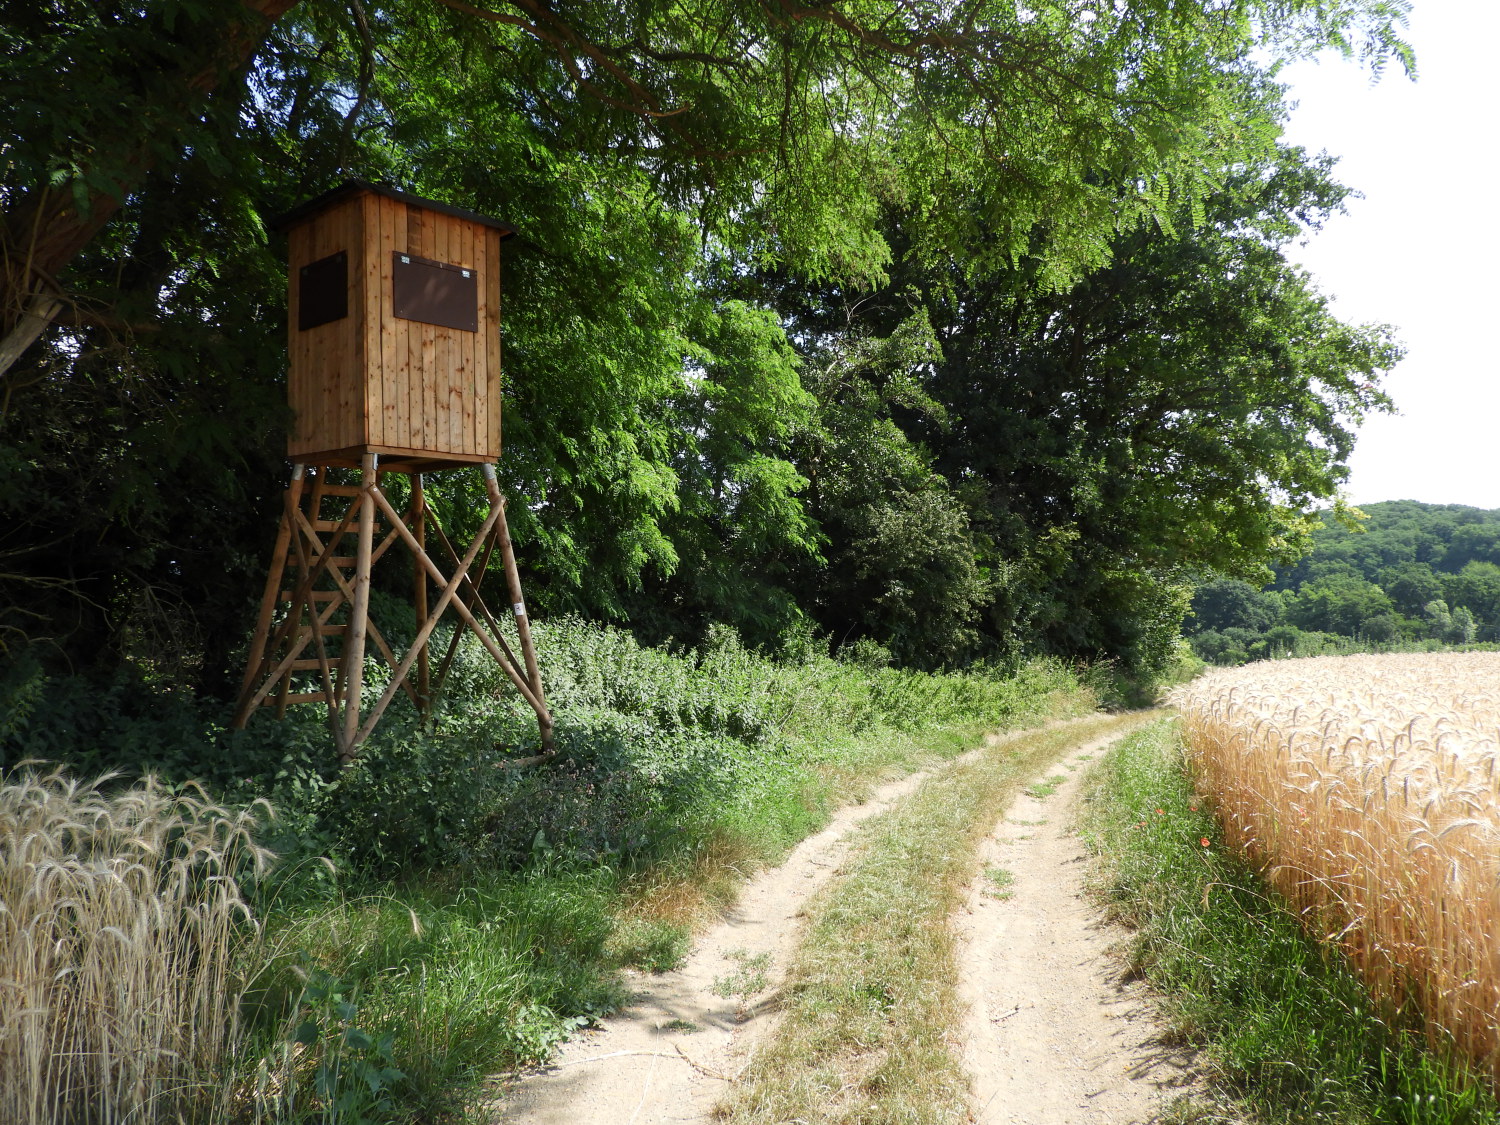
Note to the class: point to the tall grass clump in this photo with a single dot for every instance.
(1365, 789)
(120, 917)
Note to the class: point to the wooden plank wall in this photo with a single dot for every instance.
(488, 411)
(375, 380)
(326, 363)
(436, 392)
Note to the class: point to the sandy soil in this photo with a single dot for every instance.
(1054, 1038)
(1054, 1035)
(667, 1056)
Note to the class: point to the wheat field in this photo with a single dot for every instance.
(119, 913)
(1365, 787)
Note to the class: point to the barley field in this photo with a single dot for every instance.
(1365, 788)
(119, 911)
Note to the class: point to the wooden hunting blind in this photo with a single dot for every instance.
(395, 328)
(393, 367)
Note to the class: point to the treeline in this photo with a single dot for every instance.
(960, 341)
(1401, 574)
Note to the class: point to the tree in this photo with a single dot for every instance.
(648, 153)
(1462, 629)
(103, 94)
(1173, 411)
(1439, 619)
(1338, 605)
(1225, 602)
(900, 554)
(1411, 585)
(1477, 588)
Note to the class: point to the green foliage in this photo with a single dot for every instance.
(690, 449)
(1093, 444)
(1399, 575)
(404, 1001)
(1285, 1025)
(495, 932)
(654, 750)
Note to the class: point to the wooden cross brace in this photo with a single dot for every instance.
(310, 620)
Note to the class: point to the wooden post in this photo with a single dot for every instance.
(419, 596)
(518, 606)
(255, 665)
(359, 613)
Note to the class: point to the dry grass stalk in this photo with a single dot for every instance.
(1366, 788)
(118, 917)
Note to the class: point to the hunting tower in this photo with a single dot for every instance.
(394, 368)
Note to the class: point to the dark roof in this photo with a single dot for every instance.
(351, 187)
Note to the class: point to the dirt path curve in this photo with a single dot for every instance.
(1075, 1039)
(1054, 1036)
(666, 1057)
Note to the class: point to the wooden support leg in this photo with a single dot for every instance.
(419, 596)
(324, 588)
(518, 606)
(255, 665)
(445, 597)
(359, 613)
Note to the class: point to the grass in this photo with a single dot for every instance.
(1288, 1032)
(1044, 789)
(746, 980)
(441, 981)
(1000, 882)
(870, 1013)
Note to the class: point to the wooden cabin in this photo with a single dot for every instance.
(394, 330)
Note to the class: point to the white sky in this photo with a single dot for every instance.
(1421, 251)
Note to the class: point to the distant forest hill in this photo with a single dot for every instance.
(1410, 575)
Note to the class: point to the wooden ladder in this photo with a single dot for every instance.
(314, 572)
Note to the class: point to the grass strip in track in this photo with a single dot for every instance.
(871, 1013)
(1287, 1030)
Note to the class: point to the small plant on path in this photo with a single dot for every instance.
(749, 979)
(1040, 789)
(1000, 882)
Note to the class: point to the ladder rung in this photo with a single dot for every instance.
(304, 633)
(341, 490)
(315, 595)
(334, 663)
(296, 697)
(334, 525)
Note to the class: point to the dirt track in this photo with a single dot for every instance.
(1053, 1037)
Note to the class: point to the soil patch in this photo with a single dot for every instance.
(1055, 1035)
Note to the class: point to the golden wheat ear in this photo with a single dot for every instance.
(120, 917)
(1365, 789)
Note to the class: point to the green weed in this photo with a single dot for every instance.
(1044, 789)
(745, 981)
(1000, 882)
